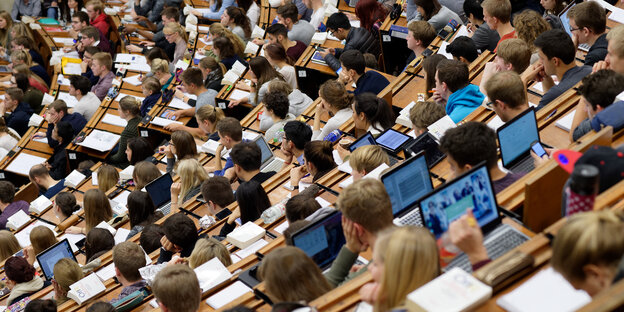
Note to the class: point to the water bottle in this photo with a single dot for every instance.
(333, 136)
(582, 189)
(274, 212)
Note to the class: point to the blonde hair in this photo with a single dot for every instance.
(289, 275)
(22, 30)
(176, 287)
(23, 56)
(367, 203)
(5, 32)
(280, 86)
(211, 63)
(130, 104)
(410, 259)
(97, 5)
(97, 208)
(206, 249)
(500, 9)
(335, 94)
(217, 29)
(42, 238)
(615, 36)
(8, 244)
(210, 113)
(144, 170)
(529, 25)
(66, 272)
(107, 177)
(192, 174)
(367, 158)
(174, 27)
(160, 66)
(516, 52)
(595, 237)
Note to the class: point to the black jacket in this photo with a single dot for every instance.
(598, 51)
(357, 39)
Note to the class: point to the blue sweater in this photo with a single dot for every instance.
(214, 14)
(371, 81)
(149, 102)
(463, 101)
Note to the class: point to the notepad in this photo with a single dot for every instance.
(211, 274)
(565, 122)
(282, 227)
(238, 94)
(23, 162)
(163, 122)
(114, 120)
(133, 80)
(179, 104)
(106, 226)
(100, 140)
(438, 128)
(86, 289)
(546, 291)
(40, 204)
(251, 249)
(228, 295)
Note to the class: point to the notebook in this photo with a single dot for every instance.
(405, 185)
(159, 191)
(515, 148)
(426, 142)
(49, 257)
(269, 161)
(321, 240)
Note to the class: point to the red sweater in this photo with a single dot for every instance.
(100, 23)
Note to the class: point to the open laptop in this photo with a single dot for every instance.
(405, 185)
(426, 142)
(449, 202)
(159, 191)
(269, 162)
(369, 139)
(321, 240)
(565, 22)
(49, 257)
(515, 138)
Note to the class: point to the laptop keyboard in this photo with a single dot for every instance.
(393, 160)
(412, 218)
(525, 166)
(499, 242)
(165, 209)
(275, 165)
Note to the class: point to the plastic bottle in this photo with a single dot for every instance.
(582, 189)
(274, 212)
(333, 136)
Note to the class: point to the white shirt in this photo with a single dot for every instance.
(87, 105)
(289, 75)
(333, 123)
(253, 13)
(317, 17)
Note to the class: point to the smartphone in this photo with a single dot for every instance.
(223, 214)
(538, 149)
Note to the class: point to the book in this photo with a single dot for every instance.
(230, 78)
(114, 120)
(126, 174)
(238, 68)
(39, 205)
(565, 122)
(74, 179)
(455, 290)
(319, 37)
(211, 274)
(403, 118)
(100, 140)
(245, 235)
(22, 163)
(162, 122)
(85, 289)
(106, 226)
(438, 128)
(179, 104)
(35, 120)
(210, 147)
(257, 32)
(17, 220)
(251, 48)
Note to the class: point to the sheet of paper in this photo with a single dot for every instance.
(69, 100)
(179, 104)
(23, 162)
(100, 140)
(322, 202)
(139, 67)
(114, 120)
(64, 41)
(565, 122)
(211, 274)
(72, 239)
(345, 167)
(162, 122)
(462, 31)
(546, 291)
(617, 15)
(442, 50)
(228, 295)
(282, 227)
(41, 140)
(133, 80)
(106, 272)
(238, 94)
(121, 235)
(72, 69)
(495, 123)
(130, 58)
(122, 95)
(251, 249)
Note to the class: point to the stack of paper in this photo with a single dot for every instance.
(163, 122)
(438, 128)
(228, 295)
(17, 220)
(74, 179)
(64, 41)
(39, 205)
(133, 80)
(100, 140)
(211, 274)
(23, 162)
(319, 37)
(565, 123)
(86, 289)
(35, 120)
(114, 120)
(245, 235)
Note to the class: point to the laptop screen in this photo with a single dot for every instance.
(49, 257)
(392, 139)
(160, 190)
(516, 136)
(565, 20)
(364, 140)
(321, 240)
(407, 183)
(450, 201)
(264, 148)
(426, 142)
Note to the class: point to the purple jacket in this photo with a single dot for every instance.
(11, 210)
(101, 88)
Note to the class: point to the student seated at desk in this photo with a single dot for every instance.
(433, 12)
(276, 108)
(252, 201)
(217, 30)
(66, 272)
(298, 29)
(598, 91)
(20, 112)
(497, 15)
(614, 59)
(41, 238)
(175, 34)
(128, 258)
(181, 146)
(356, 38)
(21, 57)
(318, 159)
(144, 173)
(88, 102)
(8, 244)
(296, 135)
(150, 237)
(420, 34)
(193, 83)
(8, 138)
(101, 67)
(205, 250)
(139, 149)
(366, 211)
(97, 209)
(483, 37)
(529, 25)
(276, 55)
(336, 102)
(98, 242)
(300, 207)
(150, 87)
(154, 36)
(21, 279)
(454, 90)
(278, 33)
(463, 49)
(261, 73)
(129, 111)
(405, 259)
(507, 95)
(161, 70)
(63, 134)
(469, 144)
(213, 72)
(192, 174)
(365, 159)
(513, 55)
(64, 205)
(290, 275)
(424, 114)
(32, 95)
(7, 21)
(589, 20)
(298, 101)
(230, 134)
(39, 175)
(223, 48)
(97, 17)
(87, 63)
(354, 71)
(247, 159)
(235, 19)
(217, 193)
(180, 237)
(23, 41)
(7, 206)
(90, 37)
(372, 114)
(207, 118)
(557, 57)
(141, 212)
(25, 8)
(176, 287)
(56, 113)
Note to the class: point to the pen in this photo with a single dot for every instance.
(551, 114)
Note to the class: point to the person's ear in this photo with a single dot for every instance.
(419, 43)
(361, 116)
(599, 108)
(176, 247)
(596, 278)
(162, 306)
(444, 86)
(117, 273)
(463, 60)
(500, 104)
(467, 167)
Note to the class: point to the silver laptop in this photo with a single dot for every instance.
(270, 162)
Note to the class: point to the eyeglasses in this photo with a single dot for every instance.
(490, 104)
(573, 29)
